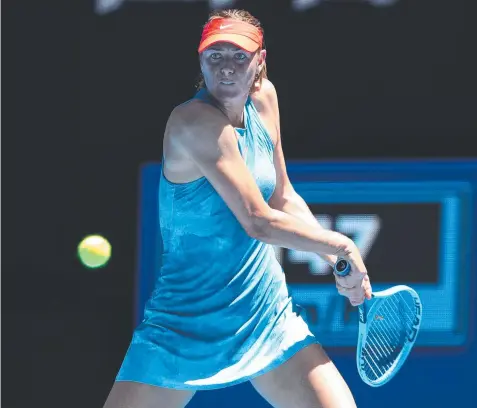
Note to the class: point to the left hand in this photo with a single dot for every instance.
(355, 286)
(358, 293)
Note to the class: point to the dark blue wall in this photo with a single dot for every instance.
(439, 371)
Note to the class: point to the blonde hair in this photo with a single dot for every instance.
(246, 17)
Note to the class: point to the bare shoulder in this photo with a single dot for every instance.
(194, 133)
(267, 93)
(266, 98)
(268, 89)
(194, 123)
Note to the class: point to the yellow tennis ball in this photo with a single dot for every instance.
(94, 251)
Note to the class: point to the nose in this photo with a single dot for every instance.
(226, 71)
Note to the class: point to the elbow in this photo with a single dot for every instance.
(258, 225)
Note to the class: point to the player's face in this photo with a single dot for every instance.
(228, 71)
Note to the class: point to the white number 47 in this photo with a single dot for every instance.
(362, 228)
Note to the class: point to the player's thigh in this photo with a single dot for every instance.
(127, 394)
(307, 380)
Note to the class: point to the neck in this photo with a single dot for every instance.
(233, 109)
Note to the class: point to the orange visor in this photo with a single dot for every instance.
(238, 33)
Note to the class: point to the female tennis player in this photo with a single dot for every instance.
(220, 313)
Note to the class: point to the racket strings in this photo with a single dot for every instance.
(387, 334)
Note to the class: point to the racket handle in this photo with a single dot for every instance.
(342, 267)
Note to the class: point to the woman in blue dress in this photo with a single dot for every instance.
(220, 312)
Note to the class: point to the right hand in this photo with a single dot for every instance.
(356, 285)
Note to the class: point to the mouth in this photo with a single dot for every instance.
(227, 82)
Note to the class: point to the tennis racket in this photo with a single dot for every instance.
(388, 328)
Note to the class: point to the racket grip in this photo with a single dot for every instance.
(342, 267)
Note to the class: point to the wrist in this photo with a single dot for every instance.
(352, 254)
(346, 247)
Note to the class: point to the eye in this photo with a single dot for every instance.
(240, 56)
(215, 56)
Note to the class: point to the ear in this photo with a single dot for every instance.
(261, 59)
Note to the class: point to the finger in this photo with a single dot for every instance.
(368, 293)
(347, 291)
(355, 293)
(339, 284)
(347, 281)
(367, 287)
(350, 281)
(357, 302)
(342, 291)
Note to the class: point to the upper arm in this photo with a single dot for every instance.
(284, 188)
(211, 143)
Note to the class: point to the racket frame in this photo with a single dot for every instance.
(365, 311)
(343, 268)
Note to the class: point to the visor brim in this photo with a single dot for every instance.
(238, 40)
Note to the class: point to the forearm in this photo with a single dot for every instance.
(301, 232)
(297, 207)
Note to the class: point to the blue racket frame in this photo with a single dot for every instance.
(364, 312)
(343, 268)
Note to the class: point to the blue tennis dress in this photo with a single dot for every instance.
(220, 312)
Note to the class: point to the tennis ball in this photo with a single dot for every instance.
(94, 251)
